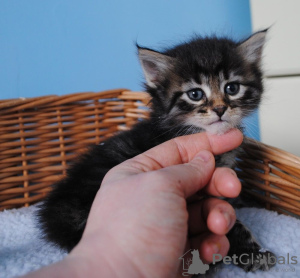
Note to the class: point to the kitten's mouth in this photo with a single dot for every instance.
(218, 121)
(218, 127)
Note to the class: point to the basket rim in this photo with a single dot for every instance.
(273, 153)
(31, 102)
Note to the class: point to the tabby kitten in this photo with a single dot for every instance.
(206, 84)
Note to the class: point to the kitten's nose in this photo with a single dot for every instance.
(220, 110)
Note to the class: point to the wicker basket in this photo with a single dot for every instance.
(271, 176)
(40, 136)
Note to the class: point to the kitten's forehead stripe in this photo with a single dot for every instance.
(190, 84)
(215, 86)
(204, 78)
(197, 78)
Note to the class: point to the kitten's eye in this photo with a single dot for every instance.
(232, 89)
(195, 94)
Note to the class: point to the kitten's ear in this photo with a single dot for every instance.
(252, 48)
(155, 65)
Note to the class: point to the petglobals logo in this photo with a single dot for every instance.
(245, 259)
(192, 263)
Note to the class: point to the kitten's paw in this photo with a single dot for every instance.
(258, 260)
(245, 248)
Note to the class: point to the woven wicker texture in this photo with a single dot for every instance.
(272, 176)
(39, 137)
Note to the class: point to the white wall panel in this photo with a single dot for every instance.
(280, 114)
(282, 52)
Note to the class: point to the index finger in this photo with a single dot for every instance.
(183, 149)
(180, 150)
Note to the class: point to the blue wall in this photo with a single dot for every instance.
(60, 47)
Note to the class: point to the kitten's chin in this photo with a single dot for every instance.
(219, 127)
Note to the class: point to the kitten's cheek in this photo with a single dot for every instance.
(225, 183)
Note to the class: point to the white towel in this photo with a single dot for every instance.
(22, 250)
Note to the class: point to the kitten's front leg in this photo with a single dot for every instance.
(250, 255)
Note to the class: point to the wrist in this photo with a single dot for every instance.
(87, 261)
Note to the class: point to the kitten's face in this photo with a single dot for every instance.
(213, 104)
(208, 83)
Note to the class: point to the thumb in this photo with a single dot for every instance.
(190, 177)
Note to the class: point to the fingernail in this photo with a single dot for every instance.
(228, 219)
(204, 156)
(233, 173)
(216, 247)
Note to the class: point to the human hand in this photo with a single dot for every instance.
(140, 222)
